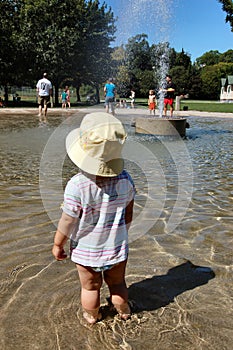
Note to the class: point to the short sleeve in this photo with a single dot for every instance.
(132, 191)
(72, 201)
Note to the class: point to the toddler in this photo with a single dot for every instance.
(97, 212)
(152, 101)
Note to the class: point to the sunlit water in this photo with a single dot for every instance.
(180, 281)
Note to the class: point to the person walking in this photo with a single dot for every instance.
(44, 91)
(109, 90)
(97, 212)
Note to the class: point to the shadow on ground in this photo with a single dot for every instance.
(158, 291)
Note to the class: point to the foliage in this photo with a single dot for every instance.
(209, 58)
(68, 38)
(227, 56)
(71, 39)
(227, 6)
(211, 78)
(123, 81)
(10, 55)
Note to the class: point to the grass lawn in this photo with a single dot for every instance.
(202, 106)
(207, 106)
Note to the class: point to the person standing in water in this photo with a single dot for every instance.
(97, 212)
(44, 91)
(169, 95)
(109, 90)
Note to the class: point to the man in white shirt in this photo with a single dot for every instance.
(44, 91)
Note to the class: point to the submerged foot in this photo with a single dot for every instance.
(92, 316)
(123, 310)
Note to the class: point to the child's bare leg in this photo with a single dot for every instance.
(115, 279)
(91, 282)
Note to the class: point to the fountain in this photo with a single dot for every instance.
(161, 126)
(161, 17)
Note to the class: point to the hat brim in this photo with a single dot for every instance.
(88, 164)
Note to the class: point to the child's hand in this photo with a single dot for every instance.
(58, 252)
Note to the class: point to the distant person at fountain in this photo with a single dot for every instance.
(67, 90)
(97, 212)
(63, 98)
(169, 95)
(152, 101)
(109, 91)
(132, 98)
(44, 91)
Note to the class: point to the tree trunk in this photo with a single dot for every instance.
(97, 93)
(56, 95)
(6, 95)
(78, 93)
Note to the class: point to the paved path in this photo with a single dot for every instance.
(119, 112)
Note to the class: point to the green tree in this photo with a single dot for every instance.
(208, 58)
(138, 52)
(227, 6)
(49, 32)
(195, 84)
(138, 60)
(11, 58)
(146, 81)
(123, 81)
(227, 56)
(118, 59)
(120, 70)
(68, 38)
(95, 56)
(211, 79)
(130, 62)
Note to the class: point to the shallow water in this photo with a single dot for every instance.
(180, 265)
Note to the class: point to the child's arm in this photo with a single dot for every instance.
(129, 214)
(65, 227)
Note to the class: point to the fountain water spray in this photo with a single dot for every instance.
(154, 17)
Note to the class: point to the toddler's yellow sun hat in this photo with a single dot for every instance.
(96, 146)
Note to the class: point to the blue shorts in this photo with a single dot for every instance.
(73, 244)
(109, 99)
(103, 268)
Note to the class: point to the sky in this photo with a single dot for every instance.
(197, 26)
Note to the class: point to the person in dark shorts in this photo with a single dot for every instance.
(109, 90)
(44, 91)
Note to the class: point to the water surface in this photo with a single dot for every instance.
(180, 281)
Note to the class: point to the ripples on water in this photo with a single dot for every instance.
(178, 304)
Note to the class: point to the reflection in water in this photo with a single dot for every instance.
(180, 282)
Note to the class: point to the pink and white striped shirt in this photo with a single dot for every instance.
(101, 237)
